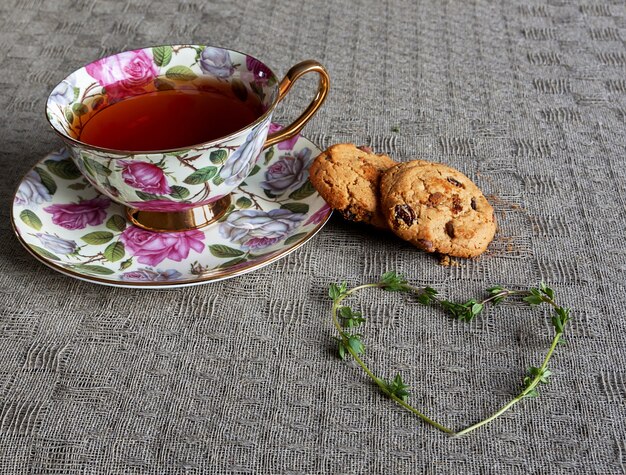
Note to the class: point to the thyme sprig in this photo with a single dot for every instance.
(350, 343)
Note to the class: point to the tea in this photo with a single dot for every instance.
(169, 119)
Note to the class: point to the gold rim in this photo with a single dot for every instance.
(219, 275)
(212, 143)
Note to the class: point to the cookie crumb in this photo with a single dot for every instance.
(447, 261)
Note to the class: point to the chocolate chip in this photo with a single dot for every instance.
(473, 204)
(366, 149)
(435, 198)
(348, 214)
(450, 229)
(455, 182)
(425, 244)
(405, 214)
(456, 204)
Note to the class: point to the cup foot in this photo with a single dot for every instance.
(194, 218)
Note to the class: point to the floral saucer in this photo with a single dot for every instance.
(63, 222)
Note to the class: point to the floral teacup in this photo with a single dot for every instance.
(184, 188)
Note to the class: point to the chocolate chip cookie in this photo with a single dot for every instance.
(437, 209)
(347, 177)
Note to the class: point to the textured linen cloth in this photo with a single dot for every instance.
(241, 376)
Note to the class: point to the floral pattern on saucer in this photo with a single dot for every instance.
(62, 220)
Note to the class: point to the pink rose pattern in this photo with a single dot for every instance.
(124, 74)
(260, 72)
(288, 144)
(79, 215)
(319, 215)
(153, 248)
(145, 177)
(151, 275)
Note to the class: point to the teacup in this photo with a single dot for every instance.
(188, 186)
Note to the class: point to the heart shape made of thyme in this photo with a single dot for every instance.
(350, 343)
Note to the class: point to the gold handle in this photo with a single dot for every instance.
(292, 76)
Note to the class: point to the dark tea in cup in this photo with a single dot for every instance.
(176, 116)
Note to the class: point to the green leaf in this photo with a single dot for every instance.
(393, 282)
(88, 166)
(126, 264)
(97, 237)
(423, 299)
(142, 195)
(92, 269)
(182, 73)
(556, 322)
(476, 309)
(233, 262)
(547, 290)
(269, 194)
(218, 156)
(303, 192)
(162, 55)
(43, 252)
(342, 349)
(76, 92)
(79, 109)
(496, 290)
(220, 250)
(545, 376)
(350, 318)
(354, 342)
(164, 85)
(116, 223)
(427, 296)
(301, 208)
(179, 192)
(63, 169)
(244, 202)
(337, 290)
(77, 186)
(533, 393)
(269, 155)
(239, 89)
(460, 311)
(47, 180)
(217, 180)
(96, 102)
(68, 115)
(114, 251)
(255, 170)
(201, 175)
(96, 167)
(294, 238)
(31, 219)
(397, 388)
(533, 299)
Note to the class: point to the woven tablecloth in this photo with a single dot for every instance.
(241, 376)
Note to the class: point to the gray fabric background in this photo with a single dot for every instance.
(241, 376)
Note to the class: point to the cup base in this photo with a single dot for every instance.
(195, 218)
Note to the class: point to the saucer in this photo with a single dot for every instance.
(67, 225)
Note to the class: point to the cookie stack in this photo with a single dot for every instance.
(430, 205)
